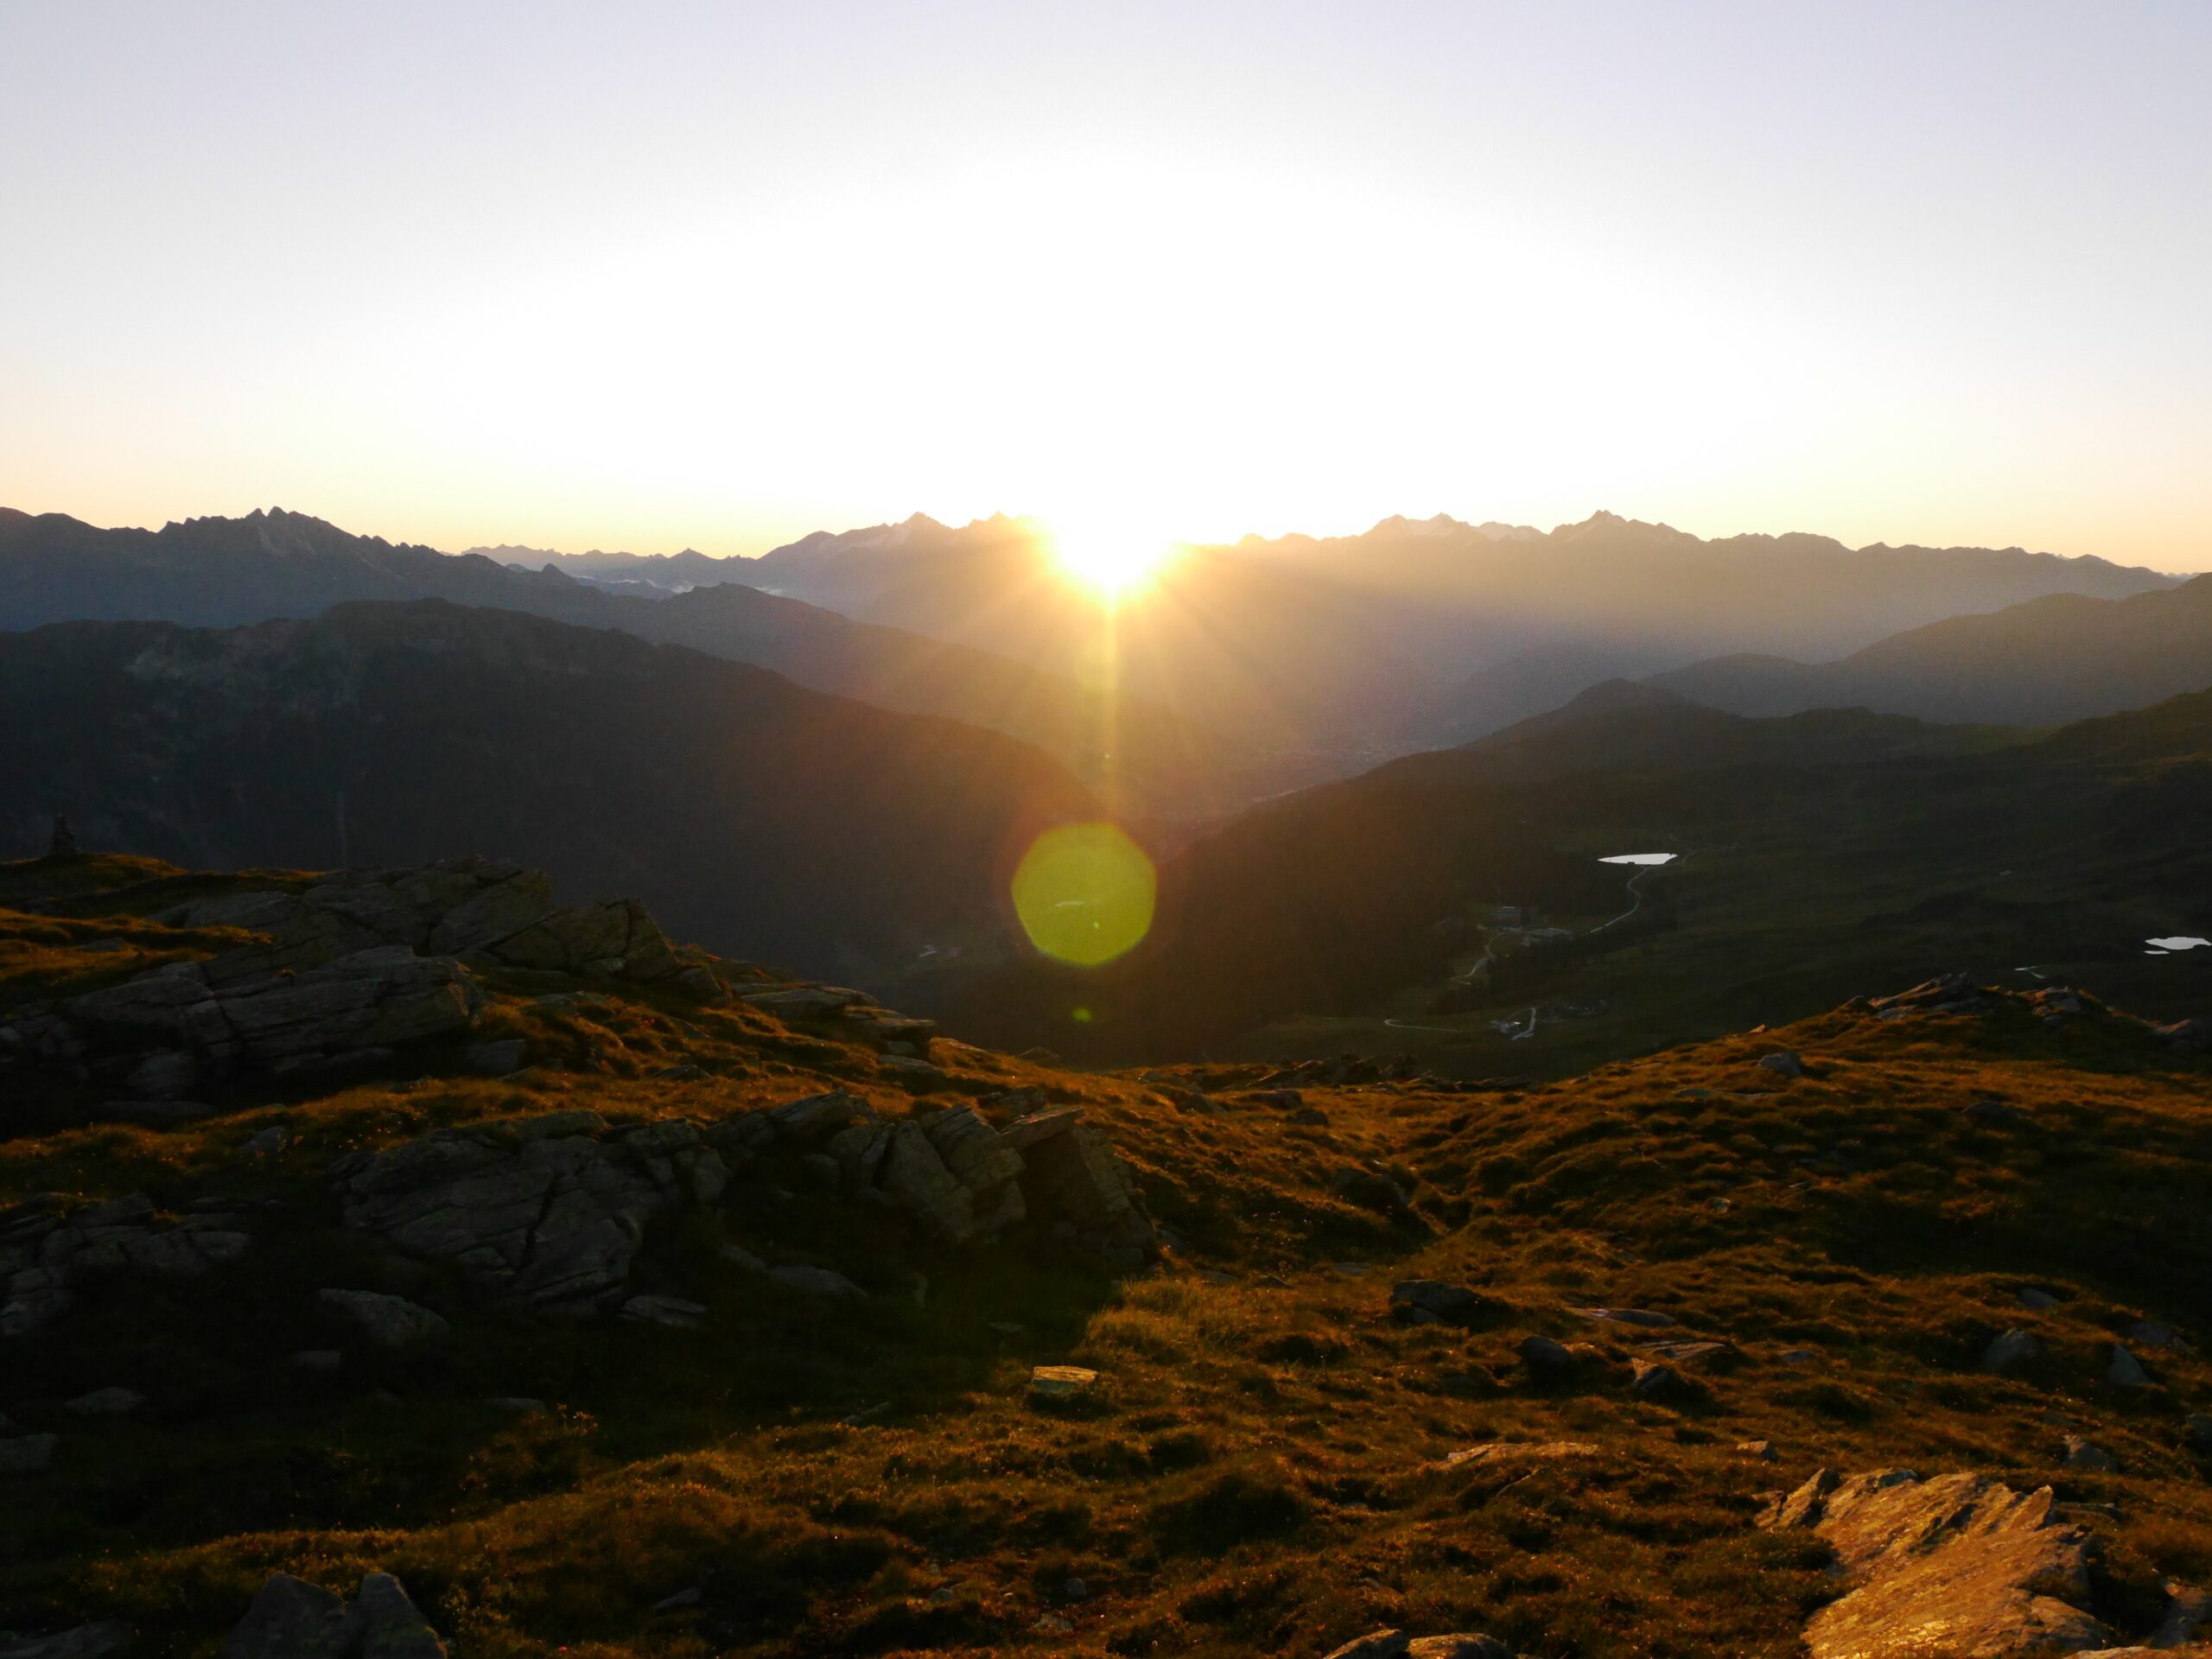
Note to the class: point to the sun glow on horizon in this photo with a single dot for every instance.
(1108, 559)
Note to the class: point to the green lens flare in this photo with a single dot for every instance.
(1085, 892)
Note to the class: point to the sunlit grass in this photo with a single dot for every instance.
(1261, 1467)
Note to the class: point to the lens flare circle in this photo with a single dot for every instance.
(1084, 894)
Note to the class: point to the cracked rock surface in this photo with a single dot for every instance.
(48, 1253)
(548, 1213)
(344, 974)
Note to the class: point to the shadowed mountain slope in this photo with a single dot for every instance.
(766, 819)
(1822, 852)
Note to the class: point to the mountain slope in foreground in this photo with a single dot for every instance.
(715, 1324)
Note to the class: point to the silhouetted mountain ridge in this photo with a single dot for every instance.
(1429, 630)
(223, 572)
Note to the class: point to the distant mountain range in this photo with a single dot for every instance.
(2051, 660)
(1828, 846)
(764, 819)
(1421, 633)
(1155, 765)
(650, 575)
(1242, 670)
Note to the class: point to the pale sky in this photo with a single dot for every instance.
(651, 275)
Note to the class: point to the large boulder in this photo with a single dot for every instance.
(979, 1157)
(383, 997)
(387, 1321)
(1430, 1301)
(957, 1178)
(616, 940)
(914, 1178)
(547, 1212)
(1074, 1181)
(203, 1017)
(289, 1619)
(27, 1454)
(1959, 1564)
(47, 1252)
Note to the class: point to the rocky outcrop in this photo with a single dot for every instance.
(1960, 1565)
(345, 974)
(1948, 994)
(958, 1178)
(1074, 1181)
(1430, 1301)
(171, 1031)
(496, 913)
(546, 1212)
(854, 1013)
(205, 1019)
(86, 1642)
(47, 1252)
(291, 1619)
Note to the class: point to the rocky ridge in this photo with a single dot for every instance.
(364, 970)
(548, 1211)
(48, 1256)
(343, 975)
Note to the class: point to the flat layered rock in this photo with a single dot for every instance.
(1624, 1316)
(1059, 1382)
(1959, 1564)
(1400, 1644)
(806, 1002)
(1503, 1452)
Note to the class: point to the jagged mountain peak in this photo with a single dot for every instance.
(1605, 523)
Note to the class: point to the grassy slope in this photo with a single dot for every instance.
(1258, 1470)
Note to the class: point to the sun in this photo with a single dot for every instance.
(1110, 559)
